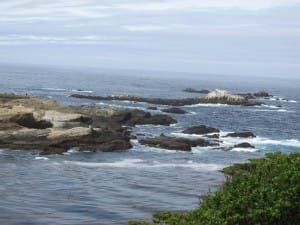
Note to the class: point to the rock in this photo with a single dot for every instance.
(192, 90)
(174, 143)
(213, 136)
(152, 108)
(202, 129)
(174, 110)
(28, 120)
(244, 145)
(211, 98)
(244, 134)
(262, 94)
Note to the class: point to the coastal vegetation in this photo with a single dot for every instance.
(261, 192)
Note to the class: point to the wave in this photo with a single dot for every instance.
(41, 158)
(280, 99)
(139, 163)
(53, 89)
(81, 91)
(120, 106)
(244, 150)
(207, 105)
(273, 110)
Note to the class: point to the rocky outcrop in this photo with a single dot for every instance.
(34, 123)
(244, 145)
(174, 110)
(174, 143)
(243, 134)
(202, 129)
(210, 99)
(262, 94)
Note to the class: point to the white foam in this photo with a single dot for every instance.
(41, 158)
(53, 89)
(266, 141)
(121, 106)
(139, 163)
(280, 99)
(244, 150)
(81, 91)
(207, 105)
(71, 151)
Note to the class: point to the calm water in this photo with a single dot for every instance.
(111, 188)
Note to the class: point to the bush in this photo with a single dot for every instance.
(262, 192)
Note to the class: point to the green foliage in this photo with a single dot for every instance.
(10, 96)
(262, 192)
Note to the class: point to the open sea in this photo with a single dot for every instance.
(86, 188)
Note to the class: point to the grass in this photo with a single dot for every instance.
(262, 192)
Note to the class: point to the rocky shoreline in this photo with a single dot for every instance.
(33, 123)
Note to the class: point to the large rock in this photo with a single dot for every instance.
(244, 145)
(174, 143)
(223, 98)
(175, 111)
(243, 134)
(262, 94)
(202, 129)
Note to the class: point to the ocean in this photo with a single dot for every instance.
(114, 187)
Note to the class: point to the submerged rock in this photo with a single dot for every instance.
(174, 110)
(202, 129)
(243, 134)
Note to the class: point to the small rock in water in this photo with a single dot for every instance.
(244, 145)
(174, 110)
(202, 129)
(244, 134)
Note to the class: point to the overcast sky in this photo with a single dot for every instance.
(204, 36)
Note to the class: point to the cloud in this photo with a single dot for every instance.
(144, 28)
(206, 4)
(34, 39)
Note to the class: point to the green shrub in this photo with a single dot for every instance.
(262, 192)
(10, 96)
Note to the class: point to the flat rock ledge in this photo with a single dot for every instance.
(215, 97)
(33, 123)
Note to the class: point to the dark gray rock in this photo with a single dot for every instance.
(202, 129)
(244, 145)
(243, 134)
(174, 110)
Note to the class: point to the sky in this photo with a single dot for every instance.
(243, 37)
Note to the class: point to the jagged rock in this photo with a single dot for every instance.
(262, 94)
(174, 110)
(244, 134)
(174, 143)
(202, 129)
(244, 145)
